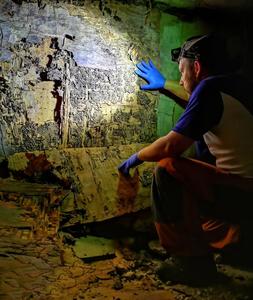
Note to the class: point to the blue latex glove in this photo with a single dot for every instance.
(131, 162)
(149, 72)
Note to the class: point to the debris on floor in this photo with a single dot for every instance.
(39, 260)
(94, 248)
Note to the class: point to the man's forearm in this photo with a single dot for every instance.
(173, 87)
(171, 145)
(155, 151)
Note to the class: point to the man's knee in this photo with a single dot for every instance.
(174, 166)
(160, 172)
(166, 194)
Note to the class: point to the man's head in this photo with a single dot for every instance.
(199, 57)
(191, 74)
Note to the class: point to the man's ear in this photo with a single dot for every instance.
(197, 68)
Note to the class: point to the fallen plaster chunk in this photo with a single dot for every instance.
(92, 248)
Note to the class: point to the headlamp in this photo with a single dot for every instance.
(191, 48)
(177, 53)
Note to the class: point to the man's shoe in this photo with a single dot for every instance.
(192, 270)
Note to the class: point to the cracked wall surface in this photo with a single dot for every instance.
(67, 75)
(94, 190)
(70, 106)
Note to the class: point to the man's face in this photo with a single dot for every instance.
(188, 75)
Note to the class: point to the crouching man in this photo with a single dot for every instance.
(199, 207)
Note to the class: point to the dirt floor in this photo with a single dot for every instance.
(35, 265)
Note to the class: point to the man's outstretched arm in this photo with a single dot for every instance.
(171, 145)
(173, 87)
(156, 81)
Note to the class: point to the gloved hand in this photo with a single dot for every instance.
(131, 162)
(149, 72)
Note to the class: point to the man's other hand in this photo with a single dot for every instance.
(131, 162)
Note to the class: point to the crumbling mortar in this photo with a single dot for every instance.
(90, 90)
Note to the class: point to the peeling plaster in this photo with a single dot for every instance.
(98, 192)
(67, 81)
(68, 69)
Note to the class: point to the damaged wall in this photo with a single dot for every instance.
(90, 175)
(67, 75)
(67, 81)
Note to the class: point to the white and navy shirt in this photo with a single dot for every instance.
(221, 110)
